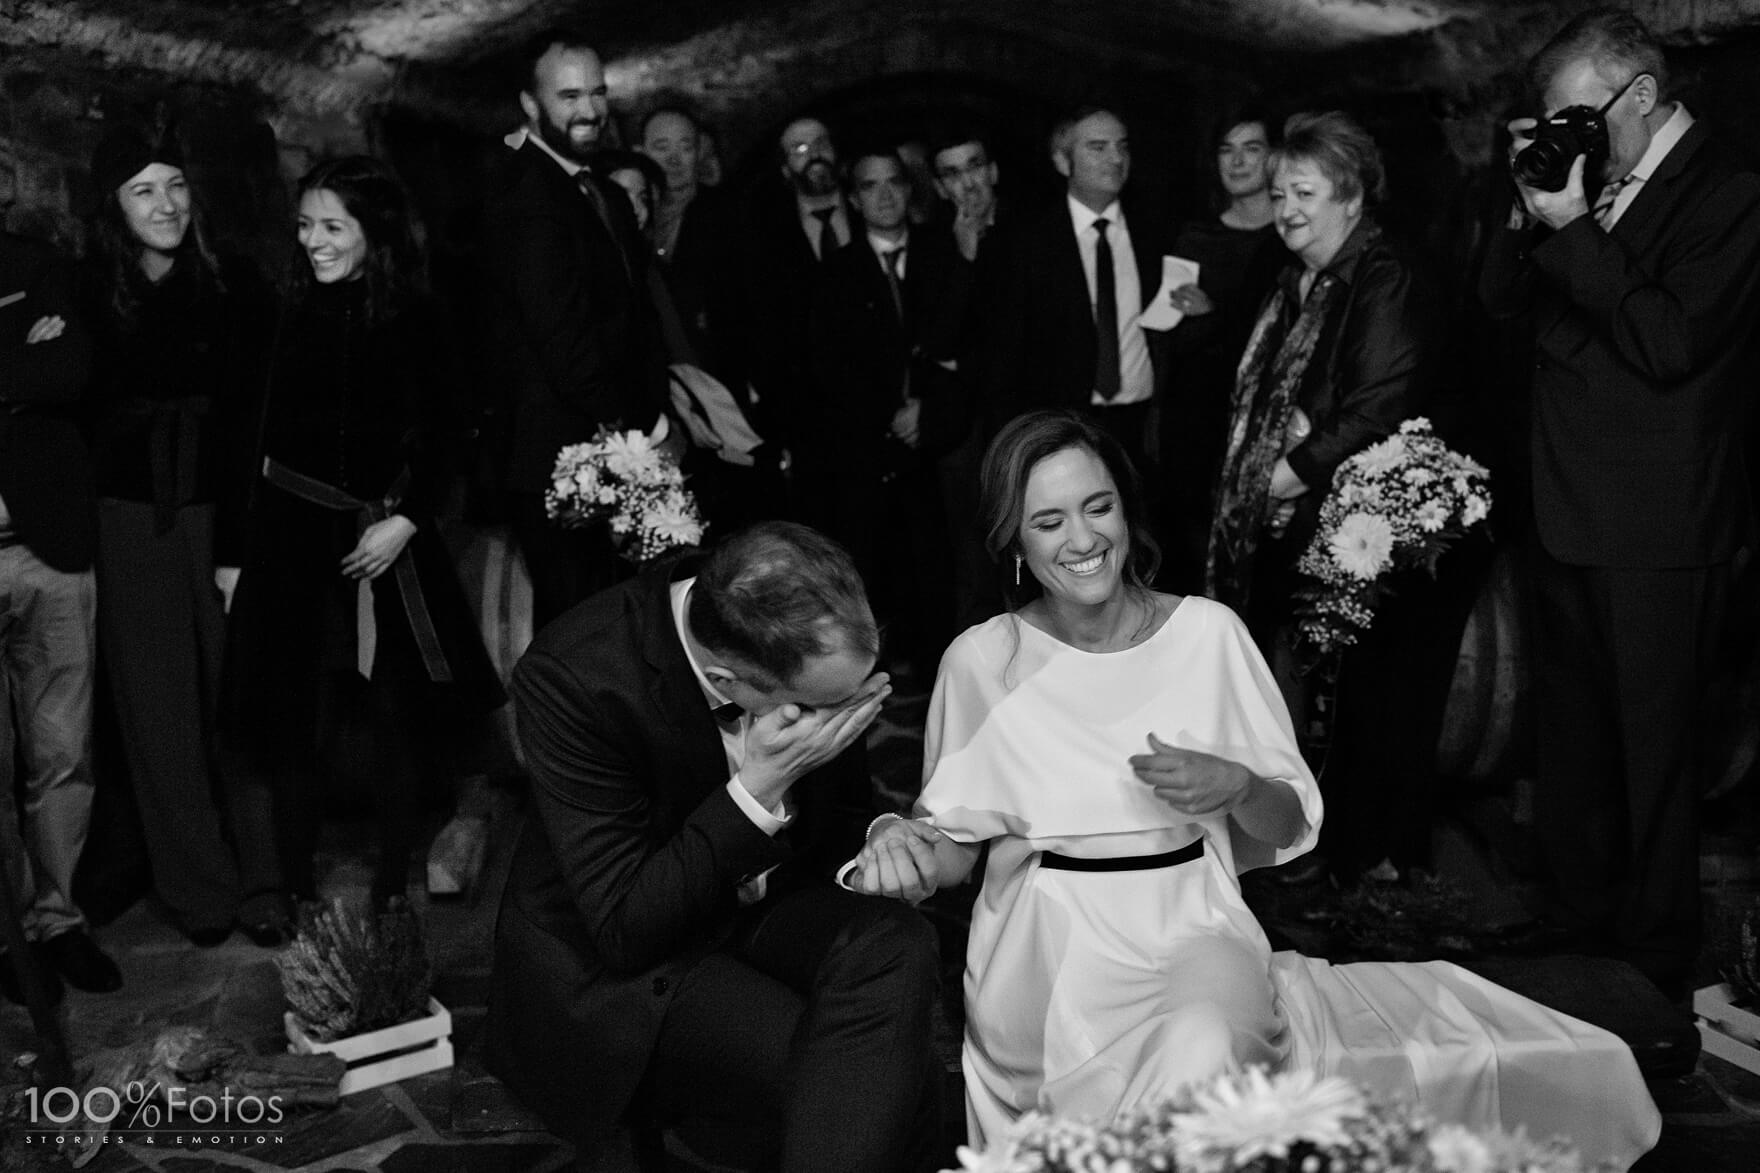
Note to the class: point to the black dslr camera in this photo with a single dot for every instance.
(1545, 163)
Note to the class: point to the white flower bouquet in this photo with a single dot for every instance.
(626, 479)
(1296, 1122)
(1396, 505)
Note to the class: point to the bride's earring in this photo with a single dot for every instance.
(1017, 570)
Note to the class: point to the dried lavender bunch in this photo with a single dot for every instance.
(351, 970)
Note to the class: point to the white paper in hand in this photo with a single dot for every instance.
(1175, 272)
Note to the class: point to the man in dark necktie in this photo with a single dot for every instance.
(881, 388)
(791, 233)
(1078, 275)
(572, 342)
(1644, 305)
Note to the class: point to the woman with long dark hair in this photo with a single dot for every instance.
(348, 602)
(180, 341)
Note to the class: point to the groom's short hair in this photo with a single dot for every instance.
(778, 592)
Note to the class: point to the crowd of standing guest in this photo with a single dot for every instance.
(256, 474)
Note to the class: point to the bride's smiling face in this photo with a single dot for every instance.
(1073, 533)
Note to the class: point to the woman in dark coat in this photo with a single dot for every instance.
(1345, 350)
(348, 599)
(180, 344)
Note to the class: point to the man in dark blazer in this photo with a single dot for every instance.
(572, 343)
(790, 229)
(670, 946)
(1643, 282)
(885, 401)
(1045, 347)
(48, 609)
(697, 241)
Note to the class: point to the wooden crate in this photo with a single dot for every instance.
(1726, 1030)
(383, 1056)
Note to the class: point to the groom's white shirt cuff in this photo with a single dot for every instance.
(767, 821)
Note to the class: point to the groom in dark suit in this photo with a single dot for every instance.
(572, 341)
(670, 947)
(1643, 281)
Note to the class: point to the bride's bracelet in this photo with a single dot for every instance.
(873, 826)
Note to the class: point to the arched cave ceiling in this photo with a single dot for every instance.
(338, 57)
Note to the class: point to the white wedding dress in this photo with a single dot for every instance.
(1090, 992)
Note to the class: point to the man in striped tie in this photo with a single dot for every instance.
(1644, 304)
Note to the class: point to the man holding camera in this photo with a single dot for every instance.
(1635, 246)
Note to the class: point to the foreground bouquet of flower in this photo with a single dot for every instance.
(1394, 506)
(627, 479)
(1297, 1122)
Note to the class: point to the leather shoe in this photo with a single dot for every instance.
(12, 985)
(77, 958)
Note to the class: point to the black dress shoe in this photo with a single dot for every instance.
(12, 986)
(77, 958)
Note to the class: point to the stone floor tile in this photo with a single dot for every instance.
(481, 1104)
(476, 1158)
(359, 1120)
(428, 1098)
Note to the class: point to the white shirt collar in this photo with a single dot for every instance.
(568, 165)
(1083, 217)
(681, 595)
(882, 247)
(1662, 142)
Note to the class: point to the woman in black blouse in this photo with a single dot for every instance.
(180, 340)
(347, 599)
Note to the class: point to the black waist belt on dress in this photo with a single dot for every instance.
(1124, 863)
(415, 604)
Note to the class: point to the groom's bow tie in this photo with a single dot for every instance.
(728, 713)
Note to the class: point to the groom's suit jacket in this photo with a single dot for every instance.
(1645, 365)
(629, 872)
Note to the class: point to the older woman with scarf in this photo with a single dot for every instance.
(180, 342)
(1343, 351)
(347, 602)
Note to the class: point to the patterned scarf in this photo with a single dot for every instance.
(1264, 397)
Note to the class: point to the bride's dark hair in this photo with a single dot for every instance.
(1002, 488)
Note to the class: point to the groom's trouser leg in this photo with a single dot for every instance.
(817, 1018)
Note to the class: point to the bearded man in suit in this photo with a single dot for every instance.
(572, 341)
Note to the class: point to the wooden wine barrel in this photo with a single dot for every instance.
(1489, 723)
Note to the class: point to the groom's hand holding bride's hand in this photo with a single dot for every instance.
(791, 740)
(1191, 782)
(899, 861)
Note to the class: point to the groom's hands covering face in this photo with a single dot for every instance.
(792, 740)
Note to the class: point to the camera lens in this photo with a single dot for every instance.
(1544, 164)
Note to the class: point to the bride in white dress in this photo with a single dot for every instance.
(1125, 755)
